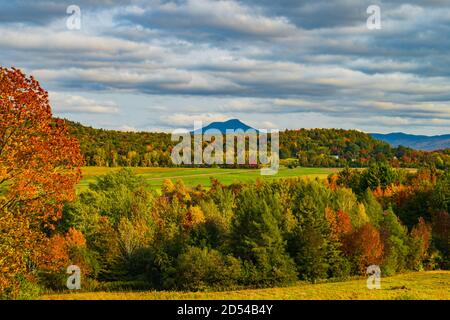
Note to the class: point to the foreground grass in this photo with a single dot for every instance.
(431, 285)
(195, 176)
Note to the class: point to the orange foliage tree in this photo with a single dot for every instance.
(422, 233)
(366, 247)
(39, 166)
(339, 223)
(58, 253)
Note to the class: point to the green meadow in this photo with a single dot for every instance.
(195, 176)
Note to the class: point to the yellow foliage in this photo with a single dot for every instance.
(168, 186)
(361, 218)
(193, 217)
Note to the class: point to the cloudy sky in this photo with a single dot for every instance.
(158, 65)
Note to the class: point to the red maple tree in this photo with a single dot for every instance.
(39, 167)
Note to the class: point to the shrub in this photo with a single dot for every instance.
(200, 269)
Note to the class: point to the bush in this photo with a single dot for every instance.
(25, 288)
(201, 269)
(29, 290)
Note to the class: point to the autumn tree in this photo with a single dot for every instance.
(39, 166)
(420, 237)
(339, 223)
(339, 228)
(365, 246)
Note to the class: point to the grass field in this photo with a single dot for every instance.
(431, 285)
(194, 176)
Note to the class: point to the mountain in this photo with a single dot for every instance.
(232, 124)
(418, 142)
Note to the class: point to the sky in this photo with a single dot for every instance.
(159, 65)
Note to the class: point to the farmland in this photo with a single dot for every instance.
(195, 176)
(430, 285)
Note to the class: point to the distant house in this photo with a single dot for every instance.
(335, 156)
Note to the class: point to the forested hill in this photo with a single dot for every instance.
(118, 148)
(309, 148)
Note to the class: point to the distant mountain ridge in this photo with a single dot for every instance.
(418, 142)
(232, 124)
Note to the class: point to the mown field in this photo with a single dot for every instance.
(431, 285)
(195, 176)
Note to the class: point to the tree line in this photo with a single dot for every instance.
(303, 147)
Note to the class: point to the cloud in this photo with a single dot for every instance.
(226, 18)
(68, 103)
(285, 63)
(43, 12)
(180, 120)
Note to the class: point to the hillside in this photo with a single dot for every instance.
(113, 148)
(418, 142)
(307, 148)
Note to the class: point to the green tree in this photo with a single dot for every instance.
(256, 238)
(395, 240)
(308, 244)
(379, 174)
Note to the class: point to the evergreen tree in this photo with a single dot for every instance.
(373, 208)
(256, 238)
(395, 240)
(308, 244)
